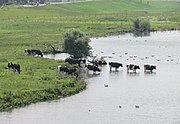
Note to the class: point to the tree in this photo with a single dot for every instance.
(136, 24)
(142, 25)
(76, 44)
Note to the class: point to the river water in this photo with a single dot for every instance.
(157, 94)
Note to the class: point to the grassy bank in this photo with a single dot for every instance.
(39, 81)
(39, 27)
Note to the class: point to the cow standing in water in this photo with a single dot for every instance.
(75, 61)
(132, 67)
(149, 68)
(33, 52)
(14, 67)
(115, 65)
(93, 68)
(98, 61)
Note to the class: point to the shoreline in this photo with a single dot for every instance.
(38, 96)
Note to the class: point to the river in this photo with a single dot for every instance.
(157, 94)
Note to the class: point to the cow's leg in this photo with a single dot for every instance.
(76, 74)
(79, 63)
(127, 69)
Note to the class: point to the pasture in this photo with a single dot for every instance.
(39, 27)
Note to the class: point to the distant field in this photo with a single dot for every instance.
(115, 6)
(38, 27)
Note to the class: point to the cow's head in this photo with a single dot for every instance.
(121, 65)
(98, 69)
(153, 67)
(67, 59)
(136, 67)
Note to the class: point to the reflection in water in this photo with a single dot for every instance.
(133, 74)
(141, 34)
(89, 75)
(114, 72)
(147, 73)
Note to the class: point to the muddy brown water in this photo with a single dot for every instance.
(156, 94)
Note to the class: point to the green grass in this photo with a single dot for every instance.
(39, 81)
(25, 28)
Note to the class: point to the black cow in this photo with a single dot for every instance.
(37, 52)
(68, 70)
(132, 67)
(33, 52)
(71, 70)
(115, 65)
(62, 68)
(149, 68)
(14, 67)
(98, 62)
(75, 61)
(93, 68)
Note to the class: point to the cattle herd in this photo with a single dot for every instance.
(92, 65)
(95, 63)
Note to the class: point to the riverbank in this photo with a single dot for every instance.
(42, 27)
(39, 81)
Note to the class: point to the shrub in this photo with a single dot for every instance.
(141, 25)
(76, 44)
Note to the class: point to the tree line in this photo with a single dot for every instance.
(7, 2)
